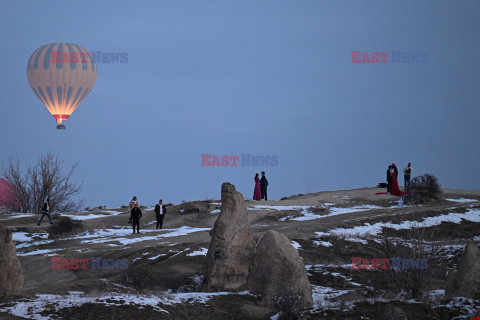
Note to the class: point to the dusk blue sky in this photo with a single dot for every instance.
(267, 78)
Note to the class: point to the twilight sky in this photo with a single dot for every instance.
(265, 78)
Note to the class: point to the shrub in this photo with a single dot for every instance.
(65, 226)
(422, 189)
(411, 281)
(46, 179)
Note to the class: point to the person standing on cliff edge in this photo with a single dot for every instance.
(263, 186)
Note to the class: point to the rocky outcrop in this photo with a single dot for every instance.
(11, 277)
(466, 281)
(232, 247)
(197, 207)
(278, 274)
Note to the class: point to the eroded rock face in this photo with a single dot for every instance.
(232, 247)
(11, 277)
(466, 281)
(278, 273)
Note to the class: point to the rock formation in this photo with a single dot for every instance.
(232, 247)
(466, 281)
(11, 277)
(278, 274)
(198, 207)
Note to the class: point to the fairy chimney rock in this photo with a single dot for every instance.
(278, 272)
(232, 248)
(466, 281)
(11, 277)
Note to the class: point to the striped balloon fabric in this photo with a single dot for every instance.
(61, 75)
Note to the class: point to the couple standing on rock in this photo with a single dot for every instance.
(392, 179)
(260, 191)
(392, 182)
(136, 214)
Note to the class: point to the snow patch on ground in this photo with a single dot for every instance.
(101, 214)
(118, 235)
(278, 208)
(306, 215)
(201, 252)
(376, 228)
(296, 245)
(462, 200)
(322, 243)
(153, 258)
(323, 295)
(16, 215)
(27, 237)
(45, 252)
(337, 211)
(32, 309)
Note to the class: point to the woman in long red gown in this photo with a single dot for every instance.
(394, 189)
(257, 193)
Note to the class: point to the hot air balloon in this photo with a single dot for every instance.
(61, 75)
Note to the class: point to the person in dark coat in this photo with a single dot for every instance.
(135, 216)
(45, 212)
(263, 186)
(160, 212)
(389, 178)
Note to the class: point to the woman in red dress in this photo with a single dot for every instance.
(257, 193)
(394, 189)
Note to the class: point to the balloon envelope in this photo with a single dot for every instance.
(61, 75)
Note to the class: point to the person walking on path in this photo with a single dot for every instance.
(135, 216)
(257, 192)
(263, 186)
(45, 212)
(160, 212)
(407, 172)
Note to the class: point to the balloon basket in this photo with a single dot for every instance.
(61, 127)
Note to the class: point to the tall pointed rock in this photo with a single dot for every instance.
(11, 277)
(232, 248)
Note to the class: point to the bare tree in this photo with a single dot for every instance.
(44, 180)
